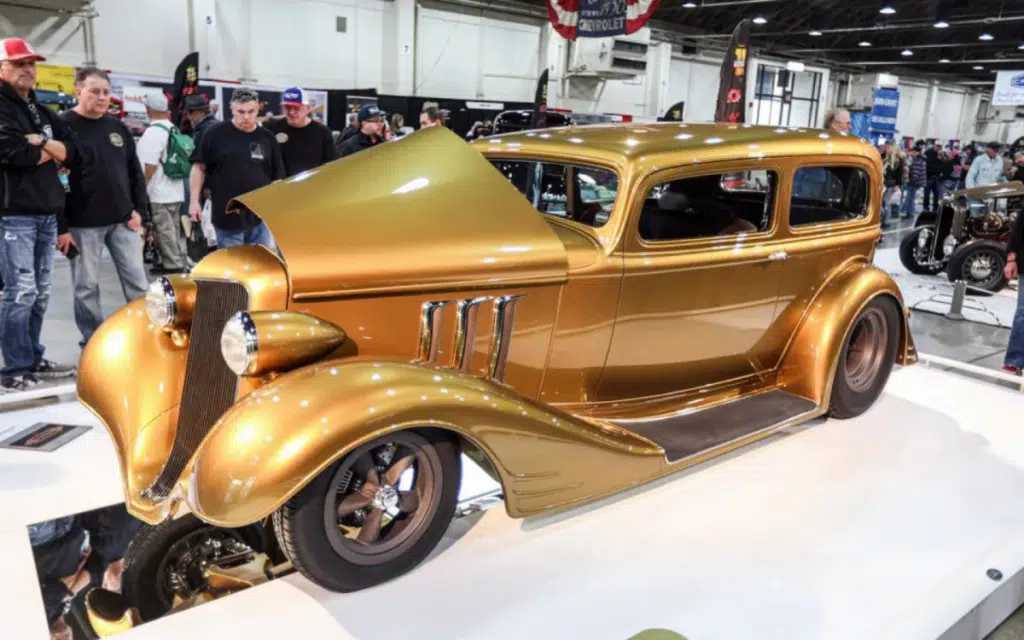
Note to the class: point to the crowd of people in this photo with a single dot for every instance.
(80, 182)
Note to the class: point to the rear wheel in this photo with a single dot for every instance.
(866, 359)
(376, 513)
(980, 264)
(914, 250)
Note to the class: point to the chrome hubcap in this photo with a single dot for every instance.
(386, 498)
(981, 268)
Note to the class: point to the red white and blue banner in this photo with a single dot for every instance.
(599, 18)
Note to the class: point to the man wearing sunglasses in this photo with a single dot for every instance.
(35, 147)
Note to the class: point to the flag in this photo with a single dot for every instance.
(599, 18)
(732, 88)
(186, 82)
(540, 103)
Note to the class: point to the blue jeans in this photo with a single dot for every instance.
(29, 250)
(125, 247)
(1015, 347)
(260, 234)
(910, 201)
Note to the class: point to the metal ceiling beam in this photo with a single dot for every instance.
(907, 26)
(905, 46)
(906, 63)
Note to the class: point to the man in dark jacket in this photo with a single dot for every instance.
(371, 125)
(33, 140)
(109, 211)
(933, 165)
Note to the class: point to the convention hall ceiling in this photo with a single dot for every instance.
(900, 36)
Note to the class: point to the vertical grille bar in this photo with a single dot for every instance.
(210, 386)
(504, 318)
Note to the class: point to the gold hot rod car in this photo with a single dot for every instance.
(580, 309)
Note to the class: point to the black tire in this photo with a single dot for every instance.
(141, 582)
(907, 248)
(336, 563)
(959, 264)
(858, 381)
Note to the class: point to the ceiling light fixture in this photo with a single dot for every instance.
(689, 5)
(978, 67)
(818, 33)
(865, 43)
(760, 20)
(941, 24)
(1021, 47)
(887, 10)
(944, 61)
(985, 36)
(908, 52)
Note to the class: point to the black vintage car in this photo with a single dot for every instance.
(521, 120)
(966, 238)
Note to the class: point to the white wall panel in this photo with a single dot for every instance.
(911, 117)
(702, 92)
(946, 121)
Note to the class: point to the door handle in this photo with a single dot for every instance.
(778, 256)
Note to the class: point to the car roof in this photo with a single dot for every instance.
(623, 144)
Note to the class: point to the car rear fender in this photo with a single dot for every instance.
(281, 436)
(810, 362)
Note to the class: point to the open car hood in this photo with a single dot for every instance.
(427, 212)
(998, 190)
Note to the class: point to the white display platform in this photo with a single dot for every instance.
(935, 293)
(881, 527)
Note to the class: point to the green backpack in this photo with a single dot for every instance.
(177, 163)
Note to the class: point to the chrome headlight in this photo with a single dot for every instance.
(948, 245)
(162, 303)
(239, 344)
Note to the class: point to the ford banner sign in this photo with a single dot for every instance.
(1009, 89)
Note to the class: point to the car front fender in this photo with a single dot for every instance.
(139, 411)
(810, 362)
(281, 436)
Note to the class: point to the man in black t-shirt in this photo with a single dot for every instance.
(107, 210)
(234, 158)
(371, 128)
(304, 144)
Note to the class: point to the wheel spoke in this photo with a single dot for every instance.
(372, 479)
(370, 532)
(352, 502)
(398, 468)
(408, 501)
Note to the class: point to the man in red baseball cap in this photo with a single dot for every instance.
(33, 142)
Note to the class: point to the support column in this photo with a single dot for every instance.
(405, 47)
(929, 112)
(659, 67)
(554, 57)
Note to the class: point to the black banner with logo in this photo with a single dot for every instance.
(186, 83)
(732, 88)
(674, 113)
(540, 102)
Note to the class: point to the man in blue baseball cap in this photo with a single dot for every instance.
(305, 144)
(371, 131)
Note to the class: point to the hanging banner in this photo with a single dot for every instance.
(674, 113)
(186, 82)
(884, 108)
(599, 18)
(52, 77)
(1009, 89)
(732, 84)
(540, 102)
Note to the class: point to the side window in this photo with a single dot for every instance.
(721, 204)
(583, 194)
(828, 194)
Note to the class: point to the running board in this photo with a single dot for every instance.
(683, 436)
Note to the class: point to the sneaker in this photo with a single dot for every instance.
(49, 369)
(19, 383)
(1012, 370)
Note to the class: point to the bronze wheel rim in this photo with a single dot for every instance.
(865, 354)
(382, 498)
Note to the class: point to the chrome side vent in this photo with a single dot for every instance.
(467, 313)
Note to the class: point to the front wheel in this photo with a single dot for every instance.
(376, 513)
(914, 250)
(866, 359)
(165, 563)
(980, 264)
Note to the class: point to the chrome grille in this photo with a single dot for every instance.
(210, 387)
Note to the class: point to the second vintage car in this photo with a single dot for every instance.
(579, 309)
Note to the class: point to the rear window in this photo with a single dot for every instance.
(824, 195)
(573, 192)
